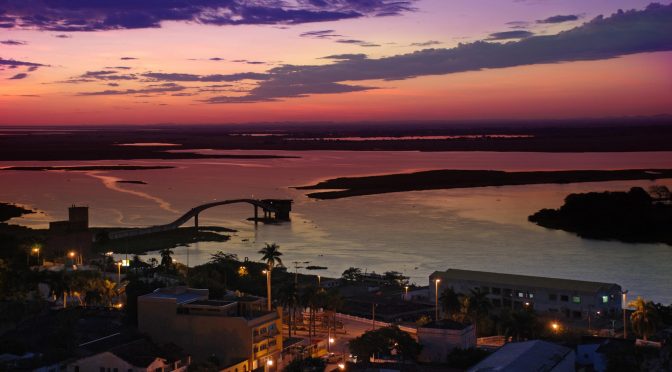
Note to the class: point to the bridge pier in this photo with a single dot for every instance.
(196, 221)
(256, 215)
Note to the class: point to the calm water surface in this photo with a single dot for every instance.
(413, 232)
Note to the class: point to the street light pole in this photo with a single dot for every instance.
(625, 324)
(436, 299)
(268, 287)
(373, 316)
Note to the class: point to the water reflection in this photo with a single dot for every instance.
(414, 232)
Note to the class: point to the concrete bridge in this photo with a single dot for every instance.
(273, 209)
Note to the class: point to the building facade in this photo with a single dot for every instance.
(558, 297)
(438, 339)
(229, 331)
(135, 356)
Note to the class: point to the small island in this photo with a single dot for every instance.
(451, 178)
(635, 216)
(180, 237)
(133, 182)
(86, 168)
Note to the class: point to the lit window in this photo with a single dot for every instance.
(576, 299)
(531, 295)
(605, 299)
(521, 294)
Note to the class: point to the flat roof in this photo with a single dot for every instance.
(181, 297)
(522, 281)
(534, 355)
(211, 303)
(446, 324)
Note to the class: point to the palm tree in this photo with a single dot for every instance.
(312, 298)
(477, 306)
(518, 323)
(333, 302)
(166, 259)
(289, 298)
(450, 303)
(645, 317)
(271, 255)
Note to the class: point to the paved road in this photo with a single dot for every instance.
(352, 328)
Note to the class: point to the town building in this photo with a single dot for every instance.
(139, 355)
(438, 339)
(534, 355)
(237, 332)
(71, 239)
(566, 298)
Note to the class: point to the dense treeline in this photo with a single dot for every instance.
(634, 216)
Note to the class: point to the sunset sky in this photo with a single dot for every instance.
(226, 61)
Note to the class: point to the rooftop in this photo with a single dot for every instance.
(534, 355)
(181, 295)
(211, 303)
(446, 324)
(516, 280)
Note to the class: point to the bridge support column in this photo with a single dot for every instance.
(196, 221)
(256, 215)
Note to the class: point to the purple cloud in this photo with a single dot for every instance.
(559, 19)
(15, 63)
(320, 34)
(12, 42)
(19, 76)
(427, 43)
(159, 76)
(508, 35)
(361, 43)
(82, 15)
(623, 33)
(145, 92)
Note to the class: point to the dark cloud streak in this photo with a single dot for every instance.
(559, 19)
(624, 33)
(509, 35)
(99, 15)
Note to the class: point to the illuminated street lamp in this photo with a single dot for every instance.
(406, 294)
(73, 257)
(436, 299)
(36, 251)
(555, 326)
(341, 366)
(269, 364)
(118, 272)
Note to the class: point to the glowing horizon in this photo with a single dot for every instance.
(402, 60)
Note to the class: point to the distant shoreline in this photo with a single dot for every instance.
(450, 179)
(88, 168)
(622, 135)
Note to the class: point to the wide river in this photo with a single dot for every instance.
(412, 232)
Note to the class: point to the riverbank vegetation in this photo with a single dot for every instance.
(449, 179)
(634, 216)
(180, 237)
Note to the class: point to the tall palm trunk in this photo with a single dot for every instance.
(289, 317)
(268, 287)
